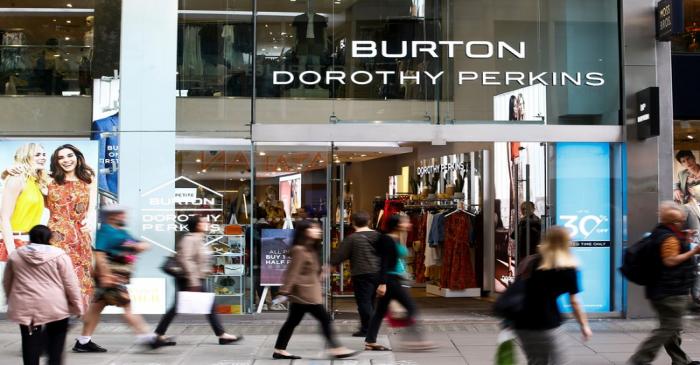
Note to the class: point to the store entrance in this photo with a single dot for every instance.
(459, 255)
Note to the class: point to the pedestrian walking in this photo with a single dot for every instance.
(360, 249)
(115, 256)
(392, 276)
(550, 274)
(195, 259)
(669, 287)
(42, 292)
(302, 285)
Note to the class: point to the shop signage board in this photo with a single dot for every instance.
(583, 207)
(664, 20)
(648, 113)
(274, 256)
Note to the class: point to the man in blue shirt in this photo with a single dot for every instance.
(115, 254)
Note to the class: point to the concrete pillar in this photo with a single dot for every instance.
(147, 150)
(646, 63)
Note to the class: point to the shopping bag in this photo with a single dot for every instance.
(506, 353)
(189, 302)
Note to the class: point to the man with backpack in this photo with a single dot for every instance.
(671, 275)
(359, 248)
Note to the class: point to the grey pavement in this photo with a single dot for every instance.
(460, 342)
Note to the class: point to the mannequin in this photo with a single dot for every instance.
(311, 38)
(84, 69)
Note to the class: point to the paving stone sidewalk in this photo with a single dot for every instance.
(472, 343)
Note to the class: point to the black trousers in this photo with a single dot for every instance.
(168, 317)
(296, 314)
(51, 337)
(365, 287)
(394, 291)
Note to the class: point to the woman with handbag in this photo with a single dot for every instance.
(391, 277)
(302, 285)
(549, 275)
(193, 259)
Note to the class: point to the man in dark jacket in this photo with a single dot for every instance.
(668, 293)
(360, 249)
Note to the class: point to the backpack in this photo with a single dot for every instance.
(640, 262)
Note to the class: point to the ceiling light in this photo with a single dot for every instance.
(204, 170)
(54, 20)
(265, 25)
(198, 172)
(68, 21)
(363, 155)
(320, 161)
(67, 38)
(279, 169)
(690, 137)
(69, 5)
(299, 168)
(283, 33)
(238, 160)
(262, 153)
(199, 160)
(242, 179)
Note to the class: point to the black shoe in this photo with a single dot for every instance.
(359, 334)
(158, 343)
(168, 341)
(278, 356)
(226, 341)
(88, 347)
(694, 363)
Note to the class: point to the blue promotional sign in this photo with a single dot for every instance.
(583, 207)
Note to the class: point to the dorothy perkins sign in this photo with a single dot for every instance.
(418, 49)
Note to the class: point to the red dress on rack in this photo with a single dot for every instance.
(419, 226)
(457, 269)
(391, 207)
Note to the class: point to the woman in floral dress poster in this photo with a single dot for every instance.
(71, 202)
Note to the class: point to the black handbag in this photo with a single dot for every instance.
(172, 267)
(511, 303)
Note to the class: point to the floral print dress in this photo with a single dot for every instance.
(68, 204)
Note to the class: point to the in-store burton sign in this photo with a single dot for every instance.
(648, 113)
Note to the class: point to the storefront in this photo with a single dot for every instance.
(468, 109)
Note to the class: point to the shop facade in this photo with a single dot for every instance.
(258, 113)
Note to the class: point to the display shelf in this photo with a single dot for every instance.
(227, 281)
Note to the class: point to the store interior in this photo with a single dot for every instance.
(450, 267)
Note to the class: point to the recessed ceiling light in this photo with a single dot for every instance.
(198, 172)
(199, 160)
(67, 38)
(238, 160)
(299, 168)
(204, 170)
(279, 169)
(69, 5)
(68, 21)
(363, 155)
(320, 161)
(54, 20)
(690, 137)
(262, 153)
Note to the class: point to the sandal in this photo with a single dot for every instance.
(376, 347)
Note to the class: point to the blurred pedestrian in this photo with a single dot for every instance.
(670, 286)
(529, 231)
(359, 248)
(550, 274)
(115, 256)
(195, 259)
(43, 292)
(302, 285)
(391, 278)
